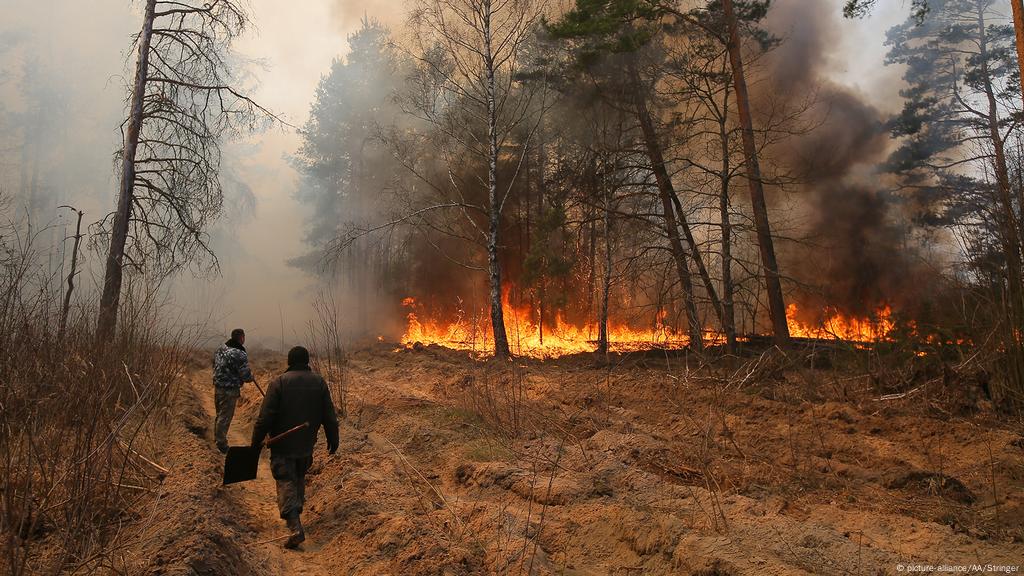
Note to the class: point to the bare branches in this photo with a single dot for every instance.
(76, 434)
(344, 242)
(188, 105)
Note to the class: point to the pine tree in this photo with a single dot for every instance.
(962, 95)
(344, 164)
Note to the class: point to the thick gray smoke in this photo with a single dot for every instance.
(857, 256)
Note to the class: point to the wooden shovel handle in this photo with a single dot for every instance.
(285, 433)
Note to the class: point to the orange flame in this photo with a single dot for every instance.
(560, 338)
(838, 326)
(526, 338)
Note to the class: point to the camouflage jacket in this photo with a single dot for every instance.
(231, 367)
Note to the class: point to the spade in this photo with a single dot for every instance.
(241, 461)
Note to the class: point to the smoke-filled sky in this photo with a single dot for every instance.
(77, 52)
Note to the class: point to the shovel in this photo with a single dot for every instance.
(241, 462)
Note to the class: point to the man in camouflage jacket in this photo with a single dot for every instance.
(230, 370)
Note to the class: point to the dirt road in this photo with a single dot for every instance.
(452, 466)
(202, 527)
(254, 503)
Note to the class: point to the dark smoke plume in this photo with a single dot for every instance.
(858, 256)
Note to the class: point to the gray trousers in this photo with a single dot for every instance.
(225, 400)
(290, 476)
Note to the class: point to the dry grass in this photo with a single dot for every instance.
(325, 337)
(79, 419)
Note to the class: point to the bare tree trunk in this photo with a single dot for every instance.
(702, 270)
(119, 232)
(773, 283)
(602, 334)
(592, 260)
(527, 244)
(1010, 222)
(728, 307)
(665, 191)
(364, 277)
(1018, 28)
(501, 348)
(66, 308)
(1011, 230)
(542, 162)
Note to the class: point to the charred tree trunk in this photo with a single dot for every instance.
(114, 272)
(773, 282)
(501, 348)
(66, 307)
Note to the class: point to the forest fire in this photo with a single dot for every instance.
(838, 326)
(528, 338)
(558, 338)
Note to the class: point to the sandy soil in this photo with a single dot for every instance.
(452, 466)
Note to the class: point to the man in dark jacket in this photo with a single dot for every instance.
(230, 370)
(298, 396)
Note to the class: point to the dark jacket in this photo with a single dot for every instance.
(295, 397)
(231, 366)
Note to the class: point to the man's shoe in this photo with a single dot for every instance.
(222, 448)
(298, 535)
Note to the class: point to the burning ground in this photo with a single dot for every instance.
(651, 465)
(472, 333)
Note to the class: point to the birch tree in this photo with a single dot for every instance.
(468, 52)
(181, 105)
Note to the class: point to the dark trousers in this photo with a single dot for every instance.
(290, 475)
(225, 400)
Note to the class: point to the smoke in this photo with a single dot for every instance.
(63, 66)
(857, 256)
(347, 14)
(63, 69)
(60, 103)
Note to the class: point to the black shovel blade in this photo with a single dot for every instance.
(240, 464)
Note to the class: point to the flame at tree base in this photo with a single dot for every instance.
(837, 326)
(527, 338)
(558, 338)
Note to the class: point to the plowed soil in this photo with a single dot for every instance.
(450, 465)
